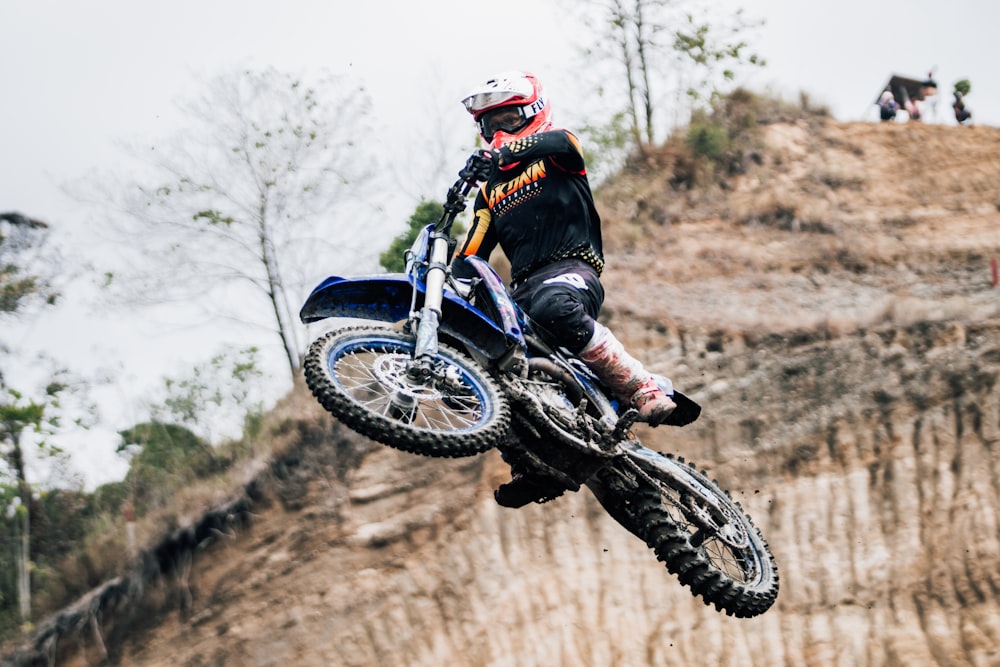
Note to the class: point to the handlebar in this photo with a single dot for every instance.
(455, 203)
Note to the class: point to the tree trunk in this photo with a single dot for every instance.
(24, 569)
(23, 549)
(641, 41)
(276, 291)
(622, 22)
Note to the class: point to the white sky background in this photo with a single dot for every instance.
(79, 78)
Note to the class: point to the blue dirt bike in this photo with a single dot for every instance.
(454, 368)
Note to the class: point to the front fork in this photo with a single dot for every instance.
(429, 317)
(422, 369)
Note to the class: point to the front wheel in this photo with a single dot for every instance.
(360, 376)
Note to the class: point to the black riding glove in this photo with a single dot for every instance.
(480, 166)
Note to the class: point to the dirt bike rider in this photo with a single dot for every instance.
(536, 204)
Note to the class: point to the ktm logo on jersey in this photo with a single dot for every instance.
(533, 173)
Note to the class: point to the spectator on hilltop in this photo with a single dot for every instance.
(962, 115)
(887, 106)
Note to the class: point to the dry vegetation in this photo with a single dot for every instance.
(829, 230)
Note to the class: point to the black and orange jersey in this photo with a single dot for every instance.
(538, 207)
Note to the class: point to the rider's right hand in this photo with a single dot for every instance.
(480, 166)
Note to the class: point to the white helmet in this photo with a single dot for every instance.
(509, 106)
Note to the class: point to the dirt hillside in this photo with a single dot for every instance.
(833, 309)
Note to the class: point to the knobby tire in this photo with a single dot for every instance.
(464, 424)
(648, 514)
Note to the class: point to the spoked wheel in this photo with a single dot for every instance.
(360, 375)
(700, 533)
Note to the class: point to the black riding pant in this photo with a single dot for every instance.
(562, 299)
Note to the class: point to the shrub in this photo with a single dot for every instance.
(426, 213)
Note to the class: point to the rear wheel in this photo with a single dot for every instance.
(360, 376)
(701, 534)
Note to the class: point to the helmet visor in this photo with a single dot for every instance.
(486, 100)
(502, 119)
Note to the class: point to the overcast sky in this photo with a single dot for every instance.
(79, 78)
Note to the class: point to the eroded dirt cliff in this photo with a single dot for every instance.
(833, 311)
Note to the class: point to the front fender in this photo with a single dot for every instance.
(387, 298)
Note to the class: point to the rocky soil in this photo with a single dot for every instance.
(835, 313)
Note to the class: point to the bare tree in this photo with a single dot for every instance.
(253, 193)
(657, 50)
